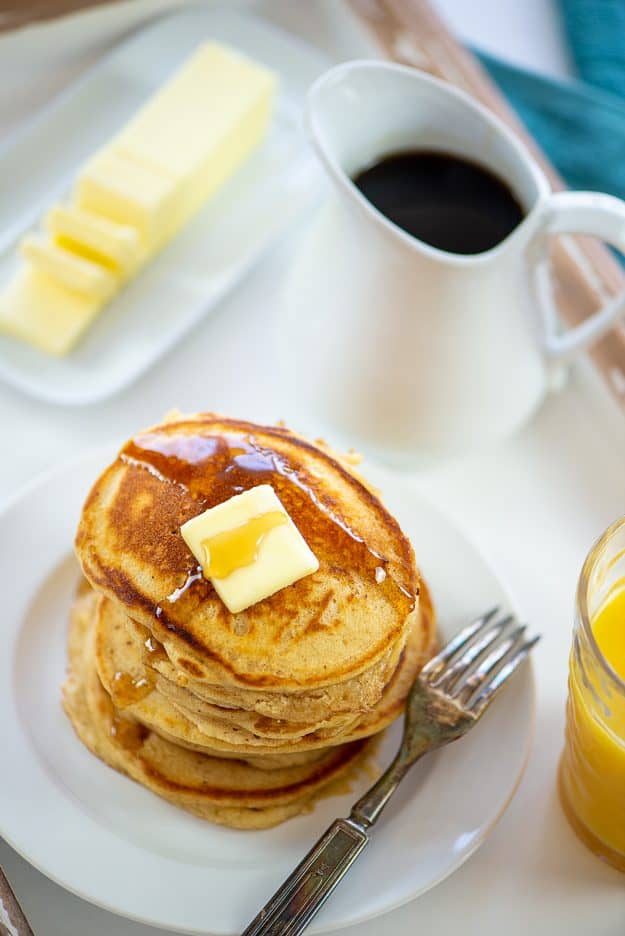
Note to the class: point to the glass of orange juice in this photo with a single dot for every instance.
(592, 768)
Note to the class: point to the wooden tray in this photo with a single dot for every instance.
(15, 14)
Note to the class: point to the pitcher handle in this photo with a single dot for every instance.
(587, 213)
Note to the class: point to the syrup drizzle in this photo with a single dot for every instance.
(214, 468)
(127, 689)
(153, 649)
(194, 576)
(233, 549)
(123, 730)
(128, 734)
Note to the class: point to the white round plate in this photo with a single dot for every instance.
(112, 842)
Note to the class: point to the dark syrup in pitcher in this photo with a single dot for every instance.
(447, 201)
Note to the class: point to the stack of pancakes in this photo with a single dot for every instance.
(239, 718)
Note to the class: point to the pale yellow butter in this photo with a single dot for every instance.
(36, 308)
(280, 558)
(203, 123)
(95, 238)
(135, 194)
(77, 273)
(115, 186)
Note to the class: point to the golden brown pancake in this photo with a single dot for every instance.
(133, 687)
(155, 711)
(320, 705)
(203, 713)
(325, 629)
(229, 792)
(241, 719)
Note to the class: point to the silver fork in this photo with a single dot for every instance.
(447, 699)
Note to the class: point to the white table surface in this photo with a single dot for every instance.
(533, 505)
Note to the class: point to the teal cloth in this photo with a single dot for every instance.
(579, 124)
(596, 33)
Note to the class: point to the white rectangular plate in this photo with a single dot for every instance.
(210, 255)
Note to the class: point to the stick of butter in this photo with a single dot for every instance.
(248, 547)
(116, 187)
(203, 123)
(136, 193)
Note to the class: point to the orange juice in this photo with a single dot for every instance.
(592, 770)
(609, 631)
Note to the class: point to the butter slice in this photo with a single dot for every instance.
(77, 273)
(283, 555)
(117, 187)
(203, 123)
(36, 308)
(116, 246)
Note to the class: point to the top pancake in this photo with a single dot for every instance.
(324, 629)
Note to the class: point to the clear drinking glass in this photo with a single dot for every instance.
(592, 768)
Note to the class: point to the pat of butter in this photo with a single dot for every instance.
(115, 246)
(115, 186)
(203, 123)
(77, 273)
(249, 547)
(36, 308)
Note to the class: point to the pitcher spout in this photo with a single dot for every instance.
(361, 111)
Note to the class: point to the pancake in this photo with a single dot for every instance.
(419, 649)
(83, 616)
(155, 712)
(202, 713)
(131, 686)
(321, 705)
(242, 719)
(231, 793)
(325, 629)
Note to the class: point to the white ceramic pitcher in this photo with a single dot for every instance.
(404, 349)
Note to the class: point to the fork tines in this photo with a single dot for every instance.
(474, 665)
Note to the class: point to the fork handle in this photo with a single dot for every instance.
(293, 906)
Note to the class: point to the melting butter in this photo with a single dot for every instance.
(234, 549)
(249, 547)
